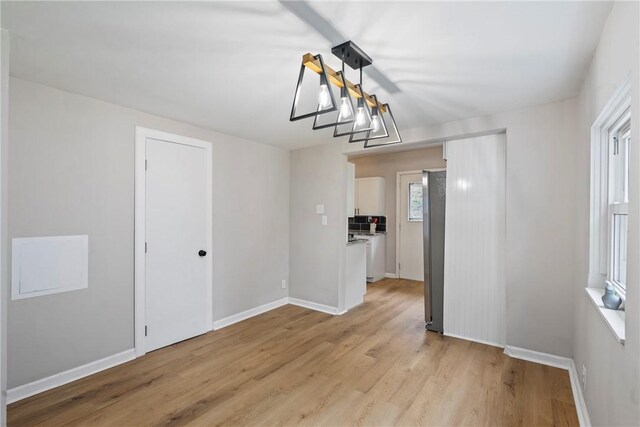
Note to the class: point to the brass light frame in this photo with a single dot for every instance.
(310, 61)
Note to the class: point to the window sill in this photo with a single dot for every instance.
(613, 318)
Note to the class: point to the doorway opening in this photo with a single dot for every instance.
(409, 225)
(396, 202)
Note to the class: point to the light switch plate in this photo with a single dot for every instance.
(324, 220)
(319, 209)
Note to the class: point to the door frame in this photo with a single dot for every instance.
(141, 136)
(398, 208)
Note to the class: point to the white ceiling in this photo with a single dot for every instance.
(232, 66)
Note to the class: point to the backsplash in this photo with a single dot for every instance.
(361, 223)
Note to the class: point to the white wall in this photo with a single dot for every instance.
(387, 166)
(612, 393)
(72, 172)
(318, 176)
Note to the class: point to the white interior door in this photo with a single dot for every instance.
(410, 259)
(178, 287)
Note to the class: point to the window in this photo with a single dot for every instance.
(609, 205)
(610, 147)
(618, 203)
(415, 201)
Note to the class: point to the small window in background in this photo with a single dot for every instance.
(619, 137)
(415, 201)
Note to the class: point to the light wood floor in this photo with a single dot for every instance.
(375, 365)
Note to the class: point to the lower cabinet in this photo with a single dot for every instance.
(376, 257)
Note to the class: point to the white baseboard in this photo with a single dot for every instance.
(578, 397)
(314, 306)
(556, 362)
(227, 321)
(493, 344)
(238, 317)
(391, 275)
(538, 357)
(39, 386)
(218, 324)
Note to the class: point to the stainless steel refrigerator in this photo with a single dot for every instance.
(433, 213)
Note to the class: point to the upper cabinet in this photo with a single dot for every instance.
(370, 196)
(351, 189)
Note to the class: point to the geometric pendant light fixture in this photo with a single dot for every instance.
(393, 136)
(312, 98)
(345, 114)
(363, 118)
(333, 101)
(378, 128)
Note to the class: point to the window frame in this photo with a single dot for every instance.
(620, 129)
(600, 229)
(611, 115)
(609, 122)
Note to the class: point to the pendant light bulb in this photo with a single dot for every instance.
(375, 123)
(345, 108)
(324, 99)
(360, 118)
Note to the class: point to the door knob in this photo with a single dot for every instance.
(202, 253)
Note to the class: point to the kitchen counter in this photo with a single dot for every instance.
(366, 233)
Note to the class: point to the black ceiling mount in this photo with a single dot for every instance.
(353, 56)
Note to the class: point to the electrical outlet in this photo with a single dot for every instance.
(324, 220)
(584, 377)
(284, 283)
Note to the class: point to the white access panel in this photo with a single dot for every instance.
(475, 240)
(48, 265)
